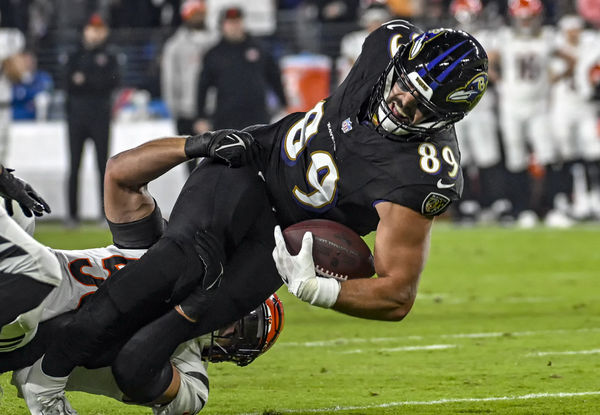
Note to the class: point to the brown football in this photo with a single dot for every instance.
(338, 251)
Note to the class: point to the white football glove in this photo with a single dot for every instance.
(298, 273)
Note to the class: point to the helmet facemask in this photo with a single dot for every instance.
(432, 94)
(249, 337)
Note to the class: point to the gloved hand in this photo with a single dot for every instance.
(13, 188)
(298, 273)
(232, 147)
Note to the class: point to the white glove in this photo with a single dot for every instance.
(298, 273)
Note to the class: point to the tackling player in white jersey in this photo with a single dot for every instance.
(76, 274)
(523, 54)
(573, 111)
(477, 134)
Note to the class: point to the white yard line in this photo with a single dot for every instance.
(402, 349)
(569, 352)
(344, 341)
(441, 402)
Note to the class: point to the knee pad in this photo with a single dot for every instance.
(138, 379)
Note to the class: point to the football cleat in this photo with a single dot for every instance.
(45, 395)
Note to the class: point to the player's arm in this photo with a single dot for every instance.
(126, 196)
(401, 249)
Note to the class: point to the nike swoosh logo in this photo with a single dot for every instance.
(442, 185)
(240, 142)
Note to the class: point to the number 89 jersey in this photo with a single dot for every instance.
(330, 163)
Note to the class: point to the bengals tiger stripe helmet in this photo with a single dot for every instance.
(249, 337)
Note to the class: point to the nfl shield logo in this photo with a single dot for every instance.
(346, 125)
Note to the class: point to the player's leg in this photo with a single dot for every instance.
(28, 354)
(142, 368)
(486, 152)
(137, 294)
(77, 137)
(516, 159)
(28, 272)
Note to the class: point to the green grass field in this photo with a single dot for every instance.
(506, 322)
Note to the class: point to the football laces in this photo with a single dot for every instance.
(328, 274)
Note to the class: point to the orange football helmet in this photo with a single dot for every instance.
(465, 7)
(249, 337)
(524, 9)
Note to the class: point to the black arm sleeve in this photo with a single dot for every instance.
(139, 234)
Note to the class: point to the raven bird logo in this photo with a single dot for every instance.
(472, 92)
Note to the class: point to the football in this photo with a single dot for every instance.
(338, 251)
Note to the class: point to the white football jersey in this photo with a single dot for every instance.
(83, 272)
(525, 63)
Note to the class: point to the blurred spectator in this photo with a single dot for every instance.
(181, 66)
(238, 63)
(92, 75)
(31, 96)
(12, 42)
(370, 19)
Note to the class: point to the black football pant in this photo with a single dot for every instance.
(19, 294)
(232, 204)
(95, 125)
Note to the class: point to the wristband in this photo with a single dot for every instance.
(319, 291)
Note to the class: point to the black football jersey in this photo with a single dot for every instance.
(331, 164)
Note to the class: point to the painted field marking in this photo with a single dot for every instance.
(403, 349)
(440, 402)
(444, 298)
(344, 341)
(569, 352)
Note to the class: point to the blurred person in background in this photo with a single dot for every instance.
(574, 119)
(12, 42)
(92, 74)
(370, 19)
(523, 53)
(181, 65)
(478, 134)
(238, 63)
(32, 95)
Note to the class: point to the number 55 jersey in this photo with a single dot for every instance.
(330, 162)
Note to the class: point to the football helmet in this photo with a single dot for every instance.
(249, 337)
(446, 72)
(525, 9)
(465, 11)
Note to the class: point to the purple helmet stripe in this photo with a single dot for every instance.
(437, 60)
(449, 69)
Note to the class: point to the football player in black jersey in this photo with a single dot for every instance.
(379, 154)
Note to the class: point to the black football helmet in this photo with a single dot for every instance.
(249, 337)
(444, 69)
